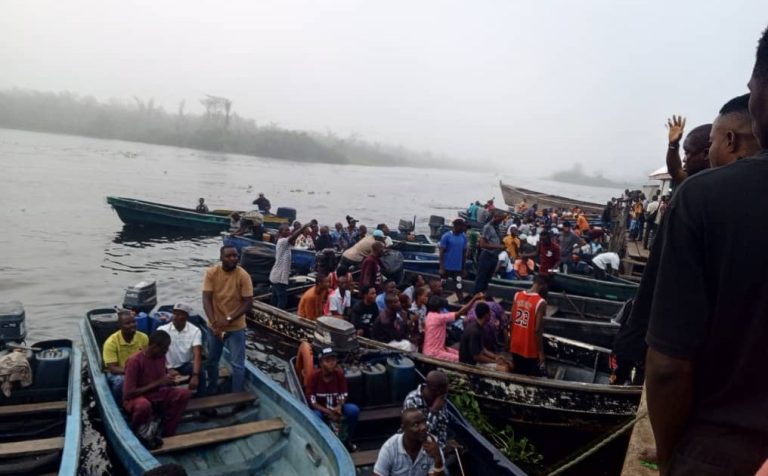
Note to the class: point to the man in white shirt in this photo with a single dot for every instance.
(606, 263)
(340, 299)
(185, 353)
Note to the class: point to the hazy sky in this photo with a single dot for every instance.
(510, 85)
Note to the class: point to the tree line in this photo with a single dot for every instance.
(219, 128)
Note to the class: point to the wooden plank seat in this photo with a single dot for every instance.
(223, 400)
(365, 458)
(29, 408)
(31, 447)
(218, 435)
(384, 413)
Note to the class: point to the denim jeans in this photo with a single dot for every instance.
(350, 412)
(235, 342)
(116, 385)
(186, 369)
(279, 297)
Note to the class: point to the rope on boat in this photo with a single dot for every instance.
(599, 445)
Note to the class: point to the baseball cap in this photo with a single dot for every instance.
(378, 234)
(327, 352)
(180, 306)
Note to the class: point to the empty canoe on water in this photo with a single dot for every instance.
(514, 195)
(40, 425)
(157, 215)
(262, 430)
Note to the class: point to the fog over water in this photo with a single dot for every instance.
(507, 86)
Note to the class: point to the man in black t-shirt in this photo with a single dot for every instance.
(471, 350)
(365, 311)
(708, 333)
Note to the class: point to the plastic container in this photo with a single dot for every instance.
(354, 385)
(375, 385)
(52, 369)
(144, 323)
(160, 319)
(401, 375)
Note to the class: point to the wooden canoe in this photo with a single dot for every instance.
(514, 195)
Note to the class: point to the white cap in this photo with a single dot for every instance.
(180, 306)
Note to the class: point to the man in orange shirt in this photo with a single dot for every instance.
(313, 301)
(526, 331)
(582, 224)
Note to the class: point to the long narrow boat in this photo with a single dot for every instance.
(263, 430)
(302, 260)
(568, 305)
(577, 395)
(379, 421)
(514, 195)
(584, 286)
(40, 425)
(157, 215)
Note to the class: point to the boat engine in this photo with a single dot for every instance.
(335, 333)
(12, 325)
(141, 297)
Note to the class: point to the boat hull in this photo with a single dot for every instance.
(147, 214)
(514, 195)
(584, 286)
(514, 398)
(302, 261)
(306, 433)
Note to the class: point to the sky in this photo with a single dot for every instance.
(526, 87)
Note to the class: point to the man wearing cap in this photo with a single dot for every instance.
(262, 203)
(453, 254)
(370, 269)
(326, 391)
(491, 245)
(568, 240)
(185, 355)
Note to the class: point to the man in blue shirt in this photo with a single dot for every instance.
(453, 254)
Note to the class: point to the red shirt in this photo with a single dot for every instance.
(324, 393)
(523, 339)
(548, 257)
(370, 272)
(141, 370)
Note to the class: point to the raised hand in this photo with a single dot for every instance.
(675, 127)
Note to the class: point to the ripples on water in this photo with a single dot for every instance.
(63, 250)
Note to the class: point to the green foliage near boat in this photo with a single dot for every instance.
(518, 450)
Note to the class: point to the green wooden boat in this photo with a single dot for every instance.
(584, 286)
(157, 215)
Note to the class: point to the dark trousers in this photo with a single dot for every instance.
(485, 269)
(279, 297)
(708, 450)
(650, 229)
(526, 366)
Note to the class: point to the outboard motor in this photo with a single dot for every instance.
(12, 326)
(435, 224)
(141, 297)
(288, 213)
(335, 333)
(406, 226)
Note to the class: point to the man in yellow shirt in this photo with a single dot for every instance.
(227, 296)
(118, 347)
(582, 223)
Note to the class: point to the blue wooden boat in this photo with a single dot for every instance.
(40, 425)
(302, 260)
(157, 215)
(272, 434)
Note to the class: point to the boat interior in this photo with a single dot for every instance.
(245, 434)
(33, 418)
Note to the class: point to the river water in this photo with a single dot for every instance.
(63, 250)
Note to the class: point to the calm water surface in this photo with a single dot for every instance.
(63, 250)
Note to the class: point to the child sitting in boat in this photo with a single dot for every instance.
(435, 327)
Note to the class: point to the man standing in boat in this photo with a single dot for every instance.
(263, 203)
(707, 391)
(227, 296)
(526, 341)
(281, 270)
(453, 255)
(201, 206)
(491, 245)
